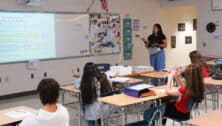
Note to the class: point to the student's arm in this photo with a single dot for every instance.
(170, 89)
(178, 80)
(146, 42)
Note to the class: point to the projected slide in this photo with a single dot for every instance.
(25, 36)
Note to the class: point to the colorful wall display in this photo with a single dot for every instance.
(105, 35)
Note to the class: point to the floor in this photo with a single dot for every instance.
(33, 101)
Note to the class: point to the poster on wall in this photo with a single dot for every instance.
(136, 24)
(188, 40)
(104, 33)
(181, 27)
(173, 41)
(194, 24)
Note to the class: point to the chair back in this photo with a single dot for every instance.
(194, 108)
(154, 113)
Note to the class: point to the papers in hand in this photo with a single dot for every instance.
(120, 79)
(18, 114)
(141, 87)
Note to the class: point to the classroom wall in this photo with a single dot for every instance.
(204, 16)
(179, 56)
(16, 78)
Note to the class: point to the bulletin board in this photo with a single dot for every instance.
(104, 34)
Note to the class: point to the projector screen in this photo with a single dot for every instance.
(25, 36)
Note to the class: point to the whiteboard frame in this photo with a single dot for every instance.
(212, 6)
(60, 58)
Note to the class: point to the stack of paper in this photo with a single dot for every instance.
(18, 114)
(120, 79)
(121, 70)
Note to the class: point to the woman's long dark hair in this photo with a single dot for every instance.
(194, 82)
(160, 31)
(106, 87)
(88, 84)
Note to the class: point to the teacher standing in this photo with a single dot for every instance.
(156, 43)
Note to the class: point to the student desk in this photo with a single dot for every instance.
(155, 74)
(123, 101)
(209, 119)
(159, 75)
(211, 62)
(6, 120)
(75, 93)
(215, 83)
(121, 85)
(134, 74)
(76, 75)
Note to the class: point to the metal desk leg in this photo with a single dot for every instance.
(79, 105)
(102, 119)
(218, 97)
(124, 116)
(63, 97)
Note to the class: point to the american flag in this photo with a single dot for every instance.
(104, 5)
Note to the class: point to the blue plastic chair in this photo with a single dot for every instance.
(150, 116)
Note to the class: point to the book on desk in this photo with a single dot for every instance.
(139, 90)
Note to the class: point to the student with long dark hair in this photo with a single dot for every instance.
(192, 90)
(93, 85)
(196, 58)
(156, 43)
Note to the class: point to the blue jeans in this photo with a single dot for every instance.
(157, 61)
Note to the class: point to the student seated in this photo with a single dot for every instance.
(78, 81)
(196, 58)
(190, 90)
(51, 114)
(93, 85)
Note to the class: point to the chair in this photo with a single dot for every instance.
(151, 115)
(193, 106)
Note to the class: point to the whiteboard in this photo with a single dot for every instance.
(41, 35)
(72, 31)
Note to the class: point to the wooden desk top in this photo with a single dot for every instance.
(6, 120)
(155, 74)
(70, 88)
(122, 100)
(212, 62)
(134, 81)
(209, 119)
(210, 81)
(134, 74)
(76, 75)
